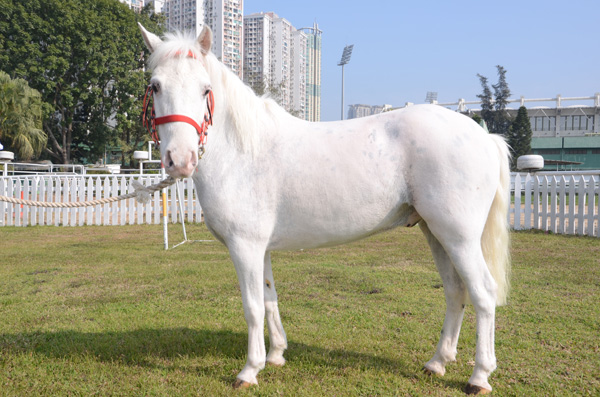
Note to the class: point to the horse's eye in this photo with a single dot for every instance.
(155, 87)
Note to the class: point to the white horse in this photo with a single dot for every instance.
(270, 181)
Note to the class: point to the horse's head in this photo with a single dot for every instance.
(183, 98)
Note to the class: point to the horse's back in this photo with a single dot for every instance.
(363, 176)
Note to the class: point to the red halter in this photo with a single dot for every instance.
(150, 120)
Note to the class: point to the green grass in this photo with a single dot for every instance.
(105, 311)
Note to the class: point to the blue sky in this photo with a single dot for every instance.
(403, 49)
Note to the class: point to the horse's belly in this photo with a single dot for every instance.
(332, 228)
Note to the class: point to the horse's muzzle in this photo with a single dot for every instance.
(180, 165)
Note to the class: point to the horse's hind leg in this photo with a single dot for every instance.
(463, 247)
(276, 333)
(455, 292)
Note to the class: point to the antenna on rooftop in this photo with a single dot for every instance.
(431, 97)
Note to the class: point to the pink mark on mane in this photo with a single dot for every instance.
(190, 54)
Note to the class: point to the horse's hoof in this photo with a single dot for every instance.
(472, 389)
(276, 362)
(431, 372)
(241, 384)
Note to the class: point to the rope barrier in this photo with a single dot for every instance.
(141, 194)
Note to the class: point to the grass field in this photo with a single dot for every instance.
(105, 311)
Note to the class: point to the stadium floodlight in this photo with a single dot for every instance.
(346, 55)
(344, 61)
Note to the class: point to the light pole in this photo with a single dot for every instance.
(345, 59)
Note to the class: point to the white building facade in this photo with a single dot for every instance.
(259, 44)
(135, 5)
(360, 110)
(184, 15)
(157, 5)
(224, 17)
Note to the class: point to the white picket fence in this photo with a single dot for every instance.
(560, 203)
(55, 188)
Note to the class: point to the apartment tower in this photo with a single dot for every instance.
(277, 55)
(313, 72)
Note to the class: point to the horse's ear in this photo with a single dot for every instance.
(152, 41)
(205, 39)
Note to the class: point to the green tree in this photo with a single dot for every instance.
(487, 108)
(493, 111)
(86, 58)
(502, 119)
(21, 118)
(519, 136)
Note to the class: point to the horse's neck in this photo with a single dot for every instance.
(246, 120)
(246, 127)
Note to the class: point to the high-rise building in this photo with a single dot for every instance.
(258, 41)
(282, 59)
(298, 73)
(313, 72)
(277, 55)
(184, 15)
(224, 17)
(135, 5)
(157, 5)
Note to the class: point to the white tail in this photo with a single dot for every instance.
(495, 241)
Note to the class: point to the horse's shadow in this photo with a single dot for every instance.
(149, 347)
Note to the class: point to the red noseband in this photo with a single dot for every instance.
(151, 121)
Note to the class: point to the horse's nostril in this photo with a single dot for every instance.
(168, 159)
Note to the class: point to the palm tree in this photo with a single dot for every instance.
(21, 118)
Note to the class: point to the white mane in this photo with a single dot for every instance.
(243, 115)
(248, 116)
(173, 43)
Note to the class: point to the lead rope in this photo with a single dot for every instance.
(141, 194)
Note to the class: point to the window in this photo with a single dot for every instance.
(548, 151)
(577, 123)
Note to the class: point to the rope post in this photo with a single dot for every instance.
(164, 210)
(179, 200)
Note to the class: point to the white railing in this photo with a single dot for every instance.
(8, 168)
(461, 104)
(56, 188)
(563, 203)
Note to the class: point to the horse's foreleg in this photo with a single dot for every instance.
(276, 333)
(249, 260)
(455, 292)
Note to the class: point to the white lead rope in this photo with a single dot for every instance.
(141, 194)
